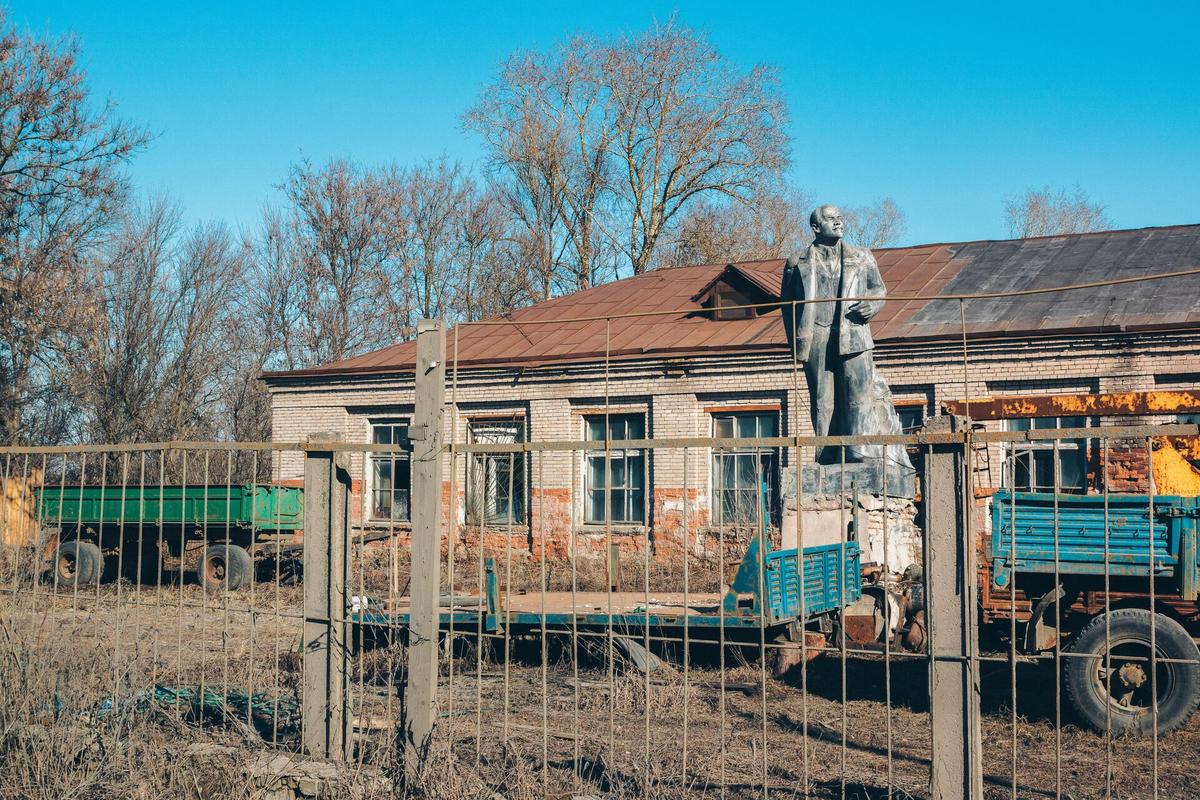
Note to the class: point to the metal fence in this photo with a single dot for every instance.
(509, 639)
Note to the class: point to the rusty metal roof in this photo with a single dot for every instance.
(567, 329)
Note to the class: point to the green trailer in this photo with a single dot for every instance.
(217, 531)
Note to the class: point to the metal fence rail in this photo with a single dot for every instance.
(653, 657)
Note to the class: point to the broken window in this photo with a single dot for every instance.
(619, 474)
(1030, 466)
(746, 478)
(912, 416)
(496, 481)
(391, 473)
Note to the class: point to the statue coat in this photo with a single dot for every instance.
(860, 278)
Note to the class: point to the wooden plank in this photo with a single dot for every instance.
(18, 523)
(661, 603)
(420, 694)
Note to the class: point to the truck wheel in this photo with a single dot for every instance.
(1116, 682)
(226, 566)
(78, 564)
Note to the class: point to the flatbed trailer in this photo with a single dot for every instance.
(87, 529)
(1109, 584)
(768, 598)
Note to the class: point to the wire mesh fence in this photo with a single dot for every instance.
(730, 636)
(480, 601)
(147, 592)
(1059, 699)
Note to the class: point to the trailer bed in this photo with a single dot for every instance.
(764, 593)
(1119, 535)
(260, 507)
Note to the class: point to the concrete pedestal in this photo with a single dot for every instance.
(885, 526)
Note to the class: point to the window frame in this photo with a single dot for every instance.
(608, 456)
(1035, 452)
(374, 459)
(486, 463)
(719, 465)
(903, 407)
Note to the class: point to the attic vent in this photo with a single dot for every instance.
(723, 301)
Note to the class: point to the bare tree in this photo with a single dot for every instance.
(358, 255)
(493, 278)
(600, 144)
(878, 225)
(1053, 212)
(546, 122)
(153, 361)
(433, 202)
(320, 262)
(689, 124)
(773, 223)
(61, 178)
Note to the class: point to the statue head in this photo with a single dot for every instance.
(827, 223)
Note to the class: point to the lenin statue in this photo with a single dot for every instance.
(847, 395)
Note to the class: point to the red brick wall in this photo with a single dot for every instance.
(551, 529)
(1128, 468)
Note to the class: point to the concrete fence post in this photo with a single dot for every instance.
(420, 695)
(324, 700)
(952, 610)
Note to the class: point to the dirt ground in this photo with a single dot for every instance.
(574, 723)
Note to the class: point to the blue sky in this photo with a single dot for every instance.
(947, 108)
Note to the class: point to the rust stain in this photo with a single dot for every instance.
(1171, 402)
(1076, 405)
(1186, 446)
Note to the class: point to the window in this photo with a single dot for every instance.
(496, 481)
(1029, 466)
(725, 302)
(912, 417)
(733, 288)
(391, 474)
(745, 479)
(625, 477)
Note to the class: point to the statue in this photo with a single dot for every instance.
(847, 395)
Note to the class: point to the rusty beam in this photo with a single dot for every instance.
(1112, 404)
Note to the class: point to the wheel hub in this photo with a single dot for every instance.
(216, 570)
(1132, 675)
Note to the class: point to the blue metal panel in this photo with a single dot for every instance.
(1025, 522)
(830, 581)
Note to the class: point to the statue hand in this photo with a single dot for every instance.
(861, 311)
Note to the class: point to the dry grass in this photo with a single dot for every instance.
(530, 729)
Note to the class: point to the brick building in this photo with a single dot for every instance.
(703, 367)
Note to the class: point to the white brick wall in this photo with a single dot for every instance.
(553, 396)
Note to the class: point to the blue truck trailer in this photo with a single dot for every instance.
(1109, 584)
(774, 596)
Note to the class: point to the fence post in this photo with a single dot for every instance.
(952, 580)
(420, 695)
(326, 577)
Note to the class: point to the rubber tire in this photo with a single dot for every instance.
(1090, 699)
(239, 568)
(88, 561)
